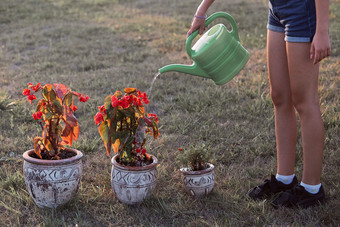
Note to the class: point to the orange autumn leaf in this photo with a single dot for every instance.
(130, 90)
(116, 146)
(69, 134)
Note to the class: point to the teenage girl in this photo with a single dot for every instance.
(297, 40)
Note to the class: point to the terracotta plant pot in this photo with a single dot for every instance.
(52, 183)
(198, 183)
(133, 184)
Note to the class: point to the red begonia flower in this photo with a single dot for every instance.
(145, 100)
(114, 101)
(74, 108)
(153, 116)
(98, 118)
(37, 115)
(123, 103)
(31, 97)
(138, 150)
(143, 151)
(26, 92)
(84, 98)
(128, 98)
(139, 102)
(36, 87)
(102, 109)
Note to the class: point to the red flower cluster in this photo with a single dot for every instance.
(127, 99)
(84, 98)
(37, 115)
(36, 87)
(74, 108)
(139, 150)
(100, 116)
(102, 109)
(153, 116)
(29, 94)
(123, 102)
(143, 96)
(26, 92)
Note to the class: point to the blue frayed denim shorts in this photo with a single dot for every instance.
(295, 18)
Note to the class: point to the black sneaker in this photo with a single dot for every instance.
(270, 187)
(299, 197)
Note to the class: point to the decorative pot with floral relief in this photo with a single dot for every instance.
(132, 184)
(199, 182)
(52, 183)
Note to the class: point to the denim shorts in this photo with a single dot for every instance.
(295, 18)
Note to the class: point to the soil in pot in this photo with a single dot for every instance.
(64, 154)
(143, 161)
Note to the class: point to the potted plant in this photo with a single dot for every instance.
(124, 126)
(53, 171)
(198, 176)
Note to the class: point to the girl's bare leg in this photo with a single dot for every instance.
(304, 89)
(280, 89)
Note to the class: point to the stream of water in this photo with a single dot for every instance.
(153, 81)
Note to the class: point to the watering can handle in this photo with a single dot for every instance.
(231, 20)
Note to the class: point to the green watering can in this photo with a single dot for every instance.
(217, 55)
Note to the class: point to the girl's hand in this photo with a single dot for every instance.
(320, 47)
(197, 23)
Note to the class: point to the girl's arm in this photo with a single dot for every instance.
(321, 47)
(198, 21)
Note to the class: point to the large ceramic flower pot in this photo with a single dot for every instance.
(52, 183)
(133, 184)
(198, 183)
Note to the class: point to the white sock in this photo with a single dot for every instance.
(284, 178)
(313, 189)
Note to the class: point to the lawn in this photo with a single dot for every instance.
(99, 46)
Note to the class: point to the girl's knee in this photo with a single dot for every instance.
(280, 98)
(306, 106)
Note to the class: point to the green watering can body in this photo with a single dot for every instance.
(217, 55)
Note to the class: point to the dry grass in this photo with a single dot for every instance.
(99, 46)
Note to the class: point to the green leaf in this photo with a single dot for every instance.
(123, 135)
(68, 99)
(48, 115)
(128, 113)
(39, 105)
(57, 106)
(129, 141)
(110, 111)
(107, 102)
(45, 92)
(53, 95)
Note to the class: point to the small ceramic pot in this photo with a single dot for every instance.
(133, 184)
(198, 183)
(52, 183)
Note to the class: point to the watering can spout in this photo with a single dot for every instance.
(193, 69)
